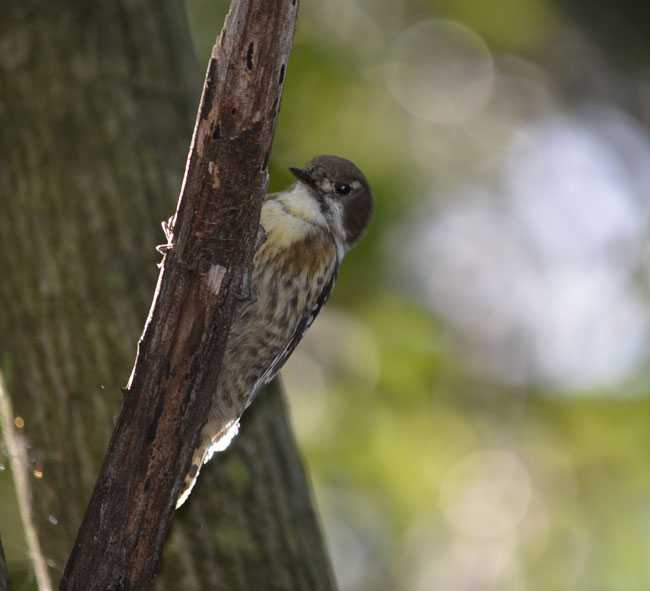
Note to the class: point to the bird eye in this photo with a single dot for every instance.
(342, 188)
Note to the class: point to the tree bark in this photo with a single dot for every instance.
(96, 102)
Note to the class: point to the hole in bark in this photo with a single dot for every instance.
(281, 80)
(249, 56)
(216, 134)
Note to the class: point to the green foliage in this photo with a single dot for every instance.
(510, 24)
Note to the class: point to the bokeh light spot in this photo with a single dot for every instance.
(440, 71)
(487, 494)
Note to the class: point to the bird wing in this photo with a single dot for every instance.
(304, 323)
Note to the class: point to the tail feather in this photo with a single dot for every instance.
(210, 444)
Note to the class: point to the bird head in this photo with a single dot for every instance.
(343, 194)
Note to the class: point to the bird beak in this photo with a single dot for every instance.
(304, 176)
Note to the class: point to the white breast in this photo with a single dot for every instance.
(290, 216)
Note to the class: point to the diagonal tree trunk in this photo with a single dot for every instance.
(120, 541)
(97, 102)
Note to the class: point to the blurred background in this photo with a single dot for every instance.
(473, 403)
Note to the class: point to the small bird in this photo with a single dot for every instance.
(303, 236)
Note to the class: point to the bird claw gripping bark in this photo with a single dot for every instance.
(168, 228)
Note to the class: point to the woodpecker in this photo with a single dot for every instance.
(303, 236)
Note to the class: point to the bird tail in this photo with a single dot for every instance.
(210, 444)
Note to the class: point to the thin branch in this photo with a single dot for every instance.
(179, 354)
(19, 463)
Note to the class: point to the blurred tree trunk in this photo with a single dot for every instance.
(4, 573)
(97, 102)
